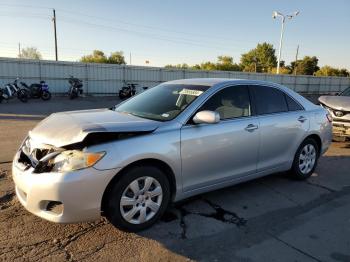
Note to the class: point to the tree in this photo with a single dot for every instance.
(331, 71)
(306, 66)
(30, 53)
(225, 63)
(283, 70)
(117, 58)
(98, 56)
(178, 66)
(208, 66)
(260, 59)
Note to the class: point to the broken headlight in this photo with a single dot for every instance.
(74, 159)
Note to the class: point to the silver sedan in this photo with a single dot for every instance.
(176, 140)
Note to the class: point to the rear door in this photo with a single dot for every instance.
(215, 153)
(283, 123)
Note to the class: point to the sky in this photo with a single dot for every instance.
(182, 31)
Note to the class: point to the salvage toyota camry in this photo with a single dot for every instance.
(176, 140)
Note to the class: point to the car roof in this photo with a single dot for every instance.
(215, 81)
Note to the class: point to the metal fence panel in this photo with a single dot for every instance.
(108, 79)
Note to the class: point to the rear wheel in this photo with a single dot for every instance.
(46, 95)
(138, 198)
(305, 160)
(73, 95)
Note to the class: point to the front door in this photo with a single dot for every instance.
(217, 153)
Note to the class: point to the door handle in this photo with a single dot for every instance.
(251, 127)
(302, 119)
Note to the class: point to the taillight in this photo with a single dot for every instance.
(329, 117)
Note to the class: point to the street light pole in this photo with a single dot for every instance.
(278, 14)
(55, 32)
(280, 48)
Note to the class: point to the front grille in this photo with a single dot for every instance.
(341, 120)
(30, 157)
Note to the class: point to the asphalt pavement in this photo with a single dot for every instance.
(268, 219)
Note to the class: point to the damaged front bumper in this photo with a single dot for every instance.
(341, 129)
(69, 197)
(341, 121)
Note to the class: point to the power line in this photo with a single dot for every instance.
(135, 24)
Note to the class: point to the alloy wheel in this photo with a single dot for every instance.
(141, 200)
(307, 158)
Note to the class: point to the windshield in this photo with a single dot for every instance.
(346, 92)
(163, 102)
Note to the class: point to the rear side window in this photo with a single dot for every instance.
(269, 100)
(292, 105)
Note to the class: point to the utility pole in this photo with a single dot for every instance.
(296, 60)
(276, 14)
(19, 49)
(54, 27)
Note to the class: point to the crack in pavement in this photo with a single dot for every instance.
(63, 244)
(2, 174)
(321, 186)
(220, 214)
(6, 162)
(7, 197)
(55, 244)
(295, 248)
(278, 192)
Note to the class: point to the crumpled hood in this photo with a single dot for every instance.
(336, 102)
(61, 129)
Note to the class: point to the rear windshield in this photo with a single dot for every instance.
(163, 102)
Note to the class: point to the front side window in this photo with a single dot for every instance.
(269, 100)
(163, 102)
(231, 102)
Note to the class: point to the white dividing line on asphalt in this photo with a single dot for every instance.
(22, 115)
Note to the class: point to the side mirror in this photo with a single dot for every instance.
(206, 117)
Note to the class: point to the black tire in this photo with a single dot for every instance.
(23, 96)
(72, 95)
(121, 95)
(46, 95)
(112, 207)
(296, 171)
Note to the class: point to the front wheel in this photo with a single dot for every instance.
(121, 95)
(46, 95)
(138, 198)
(305, 160)
(73, 94)
(23, 95)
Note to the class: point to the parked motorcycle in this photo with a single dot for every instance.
(12, 90)
(40, 90)
(76, 87)
(129, 90)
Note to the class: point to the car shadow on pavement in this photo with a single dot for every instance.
(215, 224)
